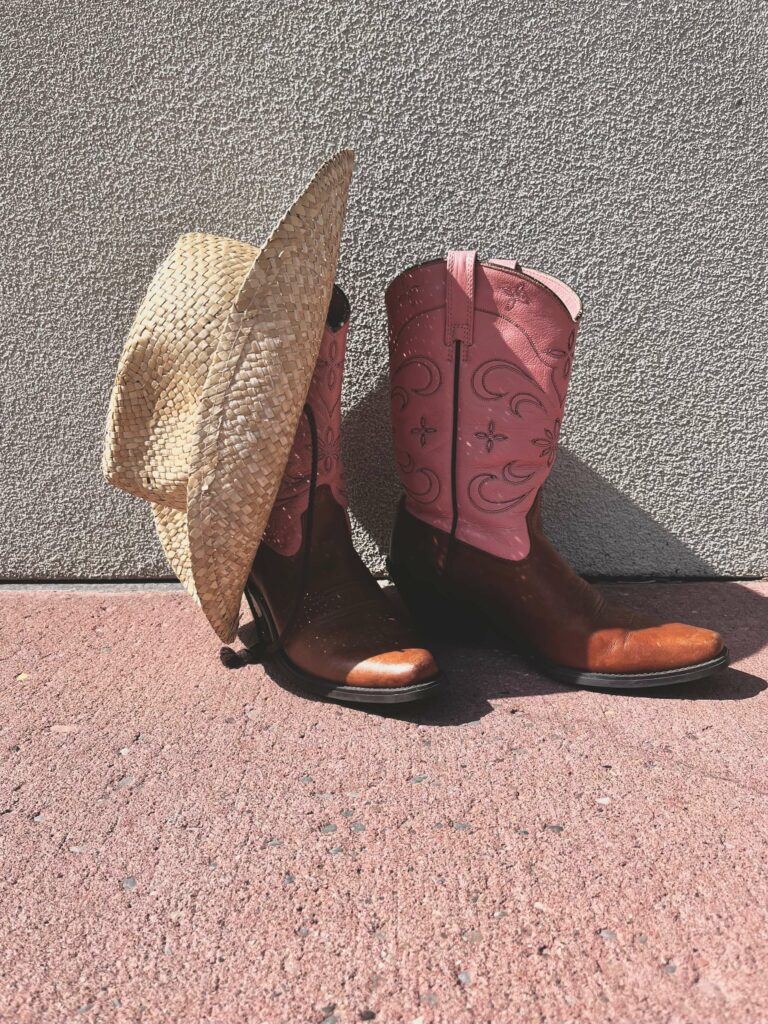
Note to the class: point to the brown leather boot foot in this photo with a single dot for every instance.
(325, 624)
(345, 644)
(548, 613)
(481, 354)
(343, 641)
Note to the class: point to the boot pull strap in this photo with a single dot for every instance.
(459, 299)
(508, 264)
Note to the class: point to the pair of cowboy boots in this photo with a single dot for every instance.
(480, 360)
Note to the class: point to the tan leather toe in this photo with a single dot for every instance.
(394, 668)
(678, 645)
(653, 649)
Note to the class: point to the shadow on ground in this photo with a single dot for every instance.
(476, 676)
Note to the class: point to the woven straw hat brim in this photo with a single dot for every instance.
(211, 386)
(256, 388)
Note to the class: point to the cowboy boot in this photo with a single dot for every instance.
(481, 356)
(323, 619)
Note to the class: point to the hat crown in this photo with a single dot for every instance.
(165, 364)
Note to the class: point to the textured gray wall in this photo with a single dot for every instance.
(620, 146)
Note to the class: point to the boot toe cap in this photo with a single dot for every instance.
(658, 649)
(679, 645)
(404, 667)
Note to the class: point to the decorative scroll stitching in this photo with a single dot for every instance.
(400, 393)
(514, 293)
(432, 492)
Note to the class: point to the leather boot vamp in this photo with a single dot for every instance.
(333, 618)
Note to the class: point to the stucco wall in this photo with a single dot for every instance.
(620, 146)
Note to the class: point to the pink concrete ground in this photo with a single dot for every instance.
(181, 842)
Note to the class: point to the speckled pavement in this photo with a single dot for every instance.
(183, 842)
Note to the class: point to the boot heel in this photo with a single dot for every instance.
(440, 615)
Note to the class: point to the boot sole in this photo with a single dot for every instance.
(351, 694)
(320, 687)
(630, 681)
(452, 619)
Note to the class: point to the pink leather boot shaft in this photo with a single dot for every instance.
(480, 359)
(283, 533)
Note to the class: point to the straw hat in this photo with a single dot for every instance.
(211, 384)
